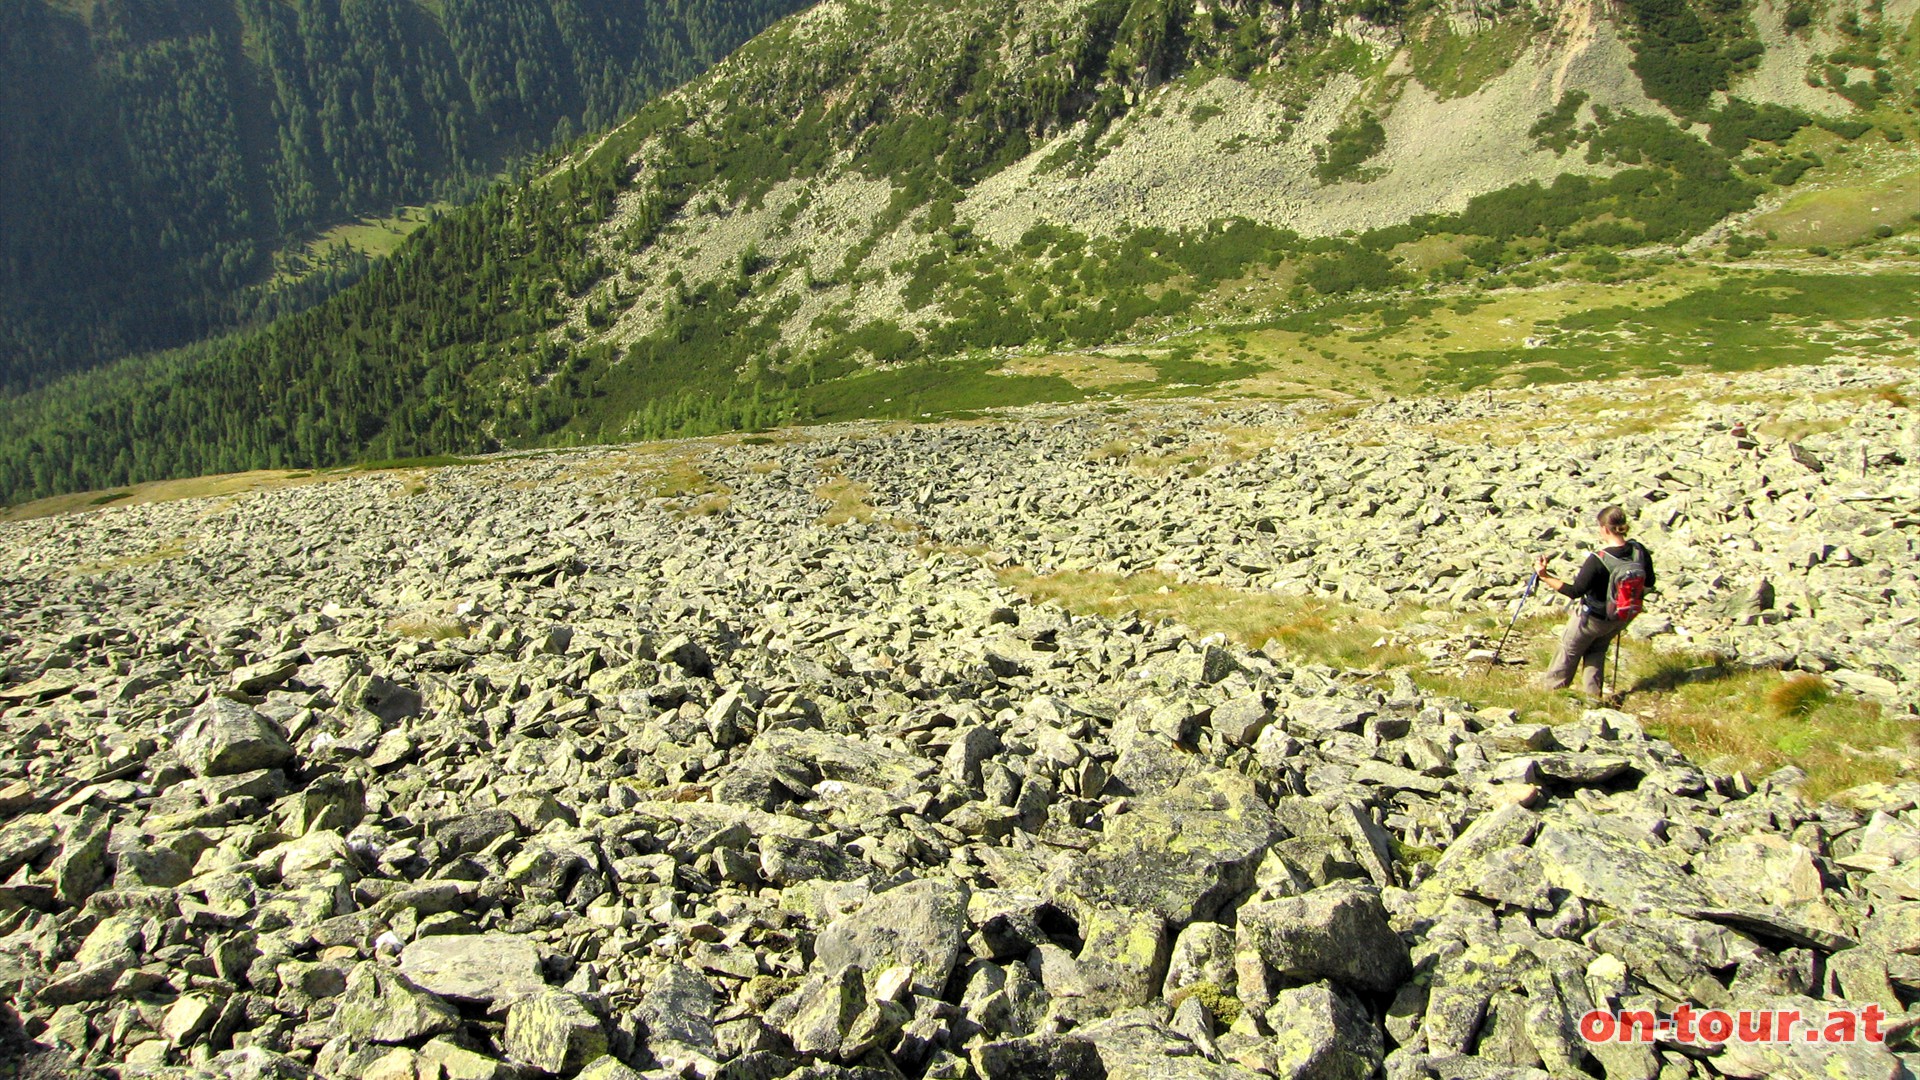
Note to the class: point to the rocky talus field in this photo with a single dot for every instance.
(743, 759)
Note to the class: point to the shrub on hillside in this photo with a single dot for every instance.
(1348, 148)
(1351, 268)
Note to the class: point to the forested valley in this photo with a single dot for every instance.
(155, 155)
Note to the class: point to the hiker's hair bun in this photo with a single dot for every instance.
(1614, 519)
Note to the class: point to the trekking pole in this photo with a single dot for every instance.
(1531, 582)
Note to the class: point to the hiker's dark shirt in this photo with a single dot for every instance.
(1589, 586)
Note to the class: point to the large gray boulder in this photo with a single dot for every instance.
(1184, 855)
(1039, 1057)
(1596, 864)
(1339, 932)
(677, 1015)
(854, 761)
(554, 1032)
(380, 1006)
(1137, 1045)
(1321, 1033)
(833, 1016)
(1124, 960)
(921, 924)
(223, 737)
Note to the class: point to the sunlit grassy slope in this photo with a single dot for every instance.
(1726, 717)
(1660, 316)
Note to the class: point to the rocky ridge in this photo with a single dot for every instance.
(522, 769)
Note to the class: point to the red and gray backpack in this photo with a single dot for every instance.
(1626, 582)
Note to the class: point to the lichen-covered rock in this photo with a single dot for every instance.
(1321, 1033)
(1039, 1057)
(81, 867)
(1594, 863)
(456, 1062)
(787, 860)
(1138, 1045)
(921, 924)
(1124, 959)
(832, 1015)
(1182, 855)
(1339, 932)
(224, 737)
(554, 1031)
(677, 1016)
(380, 1006)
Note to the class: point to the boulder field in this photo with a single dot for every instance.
(736, 759)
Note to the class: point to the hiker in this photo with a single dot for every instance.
(1608, 589)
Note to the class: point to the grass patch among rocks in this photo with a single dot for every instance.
(1759, 721)
(428, 625)
(846, 500)
(1308, 627)
(172, 548)
(1729, 718)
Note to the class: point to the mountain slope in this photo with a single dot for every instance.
(157, 153)
(869, 188)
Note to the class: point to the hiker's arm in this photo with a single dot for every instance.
(1578, 586)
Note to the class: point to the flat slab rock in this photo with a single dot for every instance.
(475, 967)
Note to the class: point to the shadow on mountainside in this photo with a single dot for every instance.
(23, 1059)
(1668, 678)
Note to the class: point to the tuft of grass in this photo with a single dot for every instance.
(170, 549)
(1734, 722)
(681, 478)
(1188, 462)
(1796, 430)
(1719, 714)
(1112, 450)
(1798, 696)
(1411, 854)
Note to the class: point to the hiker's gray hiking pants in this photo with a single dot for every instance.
(1583, 646)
